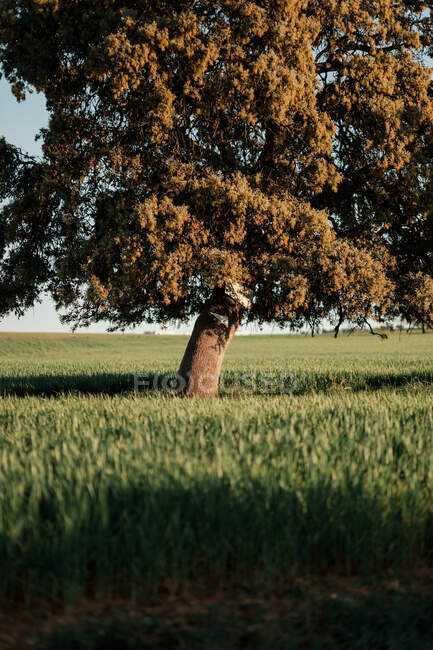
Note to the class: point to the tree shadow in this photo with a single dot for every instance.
(232, 384)
(148, 541)
(58, 384)
(129, 537)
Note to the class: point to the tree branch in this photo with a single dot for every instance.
(382, 336)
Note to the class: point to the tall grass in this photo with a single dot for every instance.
(104, 490)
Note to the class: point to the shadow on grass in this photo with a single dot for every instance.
(232, 384)
(381, 620)
(56, 385)
(128, 538)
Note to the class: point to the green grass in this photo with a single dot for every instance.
(105, 492)
(53, 364)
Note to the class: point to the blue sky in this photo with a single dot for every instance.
(19, 124)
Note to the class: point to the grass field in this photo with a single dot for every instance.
(107, 495)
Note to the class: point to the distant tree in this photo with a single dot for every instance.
(266, 161)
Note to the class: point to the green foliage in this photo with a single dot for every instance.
(24, 231)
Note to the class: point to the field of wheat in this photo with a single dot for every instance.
(106, 492)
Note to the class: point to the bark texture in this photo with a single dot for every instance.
(213, 330)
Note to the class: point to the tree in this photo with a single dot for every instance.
(266, 161)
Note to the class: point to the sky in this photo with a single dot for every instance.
(19, 124)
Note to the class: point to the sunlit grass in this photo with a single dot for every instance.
(106, 490)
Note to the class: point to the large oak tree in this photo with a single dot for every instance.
(267, 161)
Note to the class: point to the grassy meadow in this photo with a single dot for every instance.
(320, 498)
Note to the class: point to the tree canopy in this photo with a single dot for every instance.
(282, 145)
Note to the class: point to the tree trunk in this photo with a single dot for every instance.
(214, 329)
